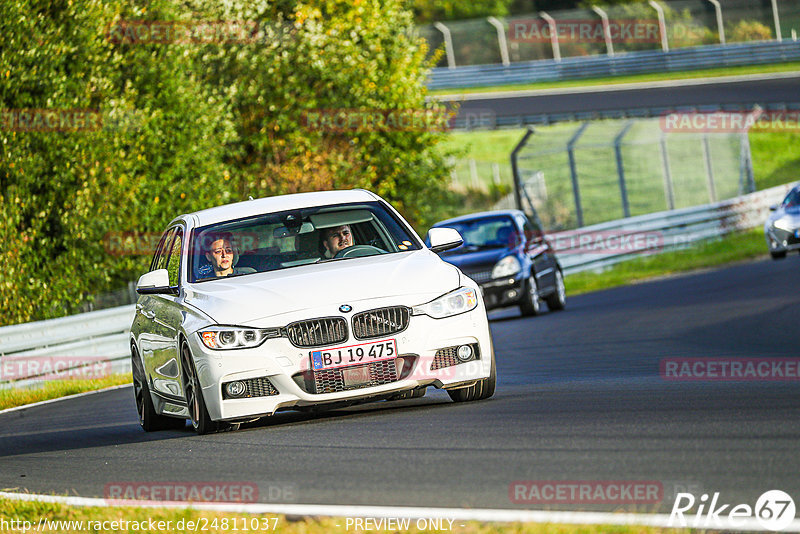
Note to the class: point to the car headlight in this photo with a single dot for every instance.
(785, 223)
(461, 300)
(508, 266)
(232, 337)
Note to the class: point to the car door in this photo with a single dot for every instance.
(164, 363)
(539, 252)
(149, 336)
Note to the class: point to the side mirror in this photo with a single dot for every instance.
(774, 207)
(442, 239)
(155, 282)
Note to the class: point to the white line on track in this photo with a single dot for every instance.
(378, 512)
(50, 401)
(458, 97)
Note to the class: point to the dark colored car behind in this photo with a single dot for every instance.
(508, 255)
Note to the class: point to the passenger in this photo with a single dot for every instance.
(336, 239)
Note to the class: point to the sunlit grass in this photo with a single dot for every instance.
(53, 389)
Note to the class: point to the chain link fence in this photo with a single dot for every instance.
(633, 27)
(581, 174)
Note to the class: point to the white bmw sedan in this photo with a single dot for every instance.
(302, 301)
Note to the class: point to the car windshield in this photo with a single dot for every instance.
(282, 240)
(792, 199)
(489, 232)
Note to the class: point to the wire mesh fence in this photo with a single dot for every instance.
(581, 174)
(632, 27)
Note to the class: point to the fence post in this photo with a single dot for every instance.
(573, 171)
(720, 27)
(623, 190)
(745, 165)
(777, 19)
(473, 173)
(515, 166)
(496, 173)
(606, 30)
(712, 190)
(551, 22)
(501, 39)
(448, 44)
(662, 24)
(669, 193)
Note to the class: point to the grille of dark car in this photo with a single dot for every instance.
(332, 380)
(256, 387)
(480, 277)
(447, 357)
(317, 332)
(380, 322)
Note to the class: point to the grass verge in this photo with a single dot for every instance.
(732, 248)
(53, 389)
(635, 78)
(158, 520)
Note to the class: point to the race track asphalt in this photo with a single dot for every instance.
(579, 397)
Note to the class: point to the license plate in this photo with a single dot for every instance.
(360, 354)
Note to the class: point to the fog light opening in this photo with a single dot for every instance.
(511, 294)
(235, 389)
(464, 353)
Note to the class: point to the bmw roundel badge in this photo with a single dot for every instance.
(345, 308)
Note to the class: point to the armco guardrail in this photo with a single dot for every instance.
(601, 245)
(32, 349)
(682, 59)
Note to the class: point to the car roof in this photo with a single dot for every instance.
(478, 215)
(250, 208)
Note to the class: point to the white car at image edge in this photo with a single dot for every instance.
(284, 324)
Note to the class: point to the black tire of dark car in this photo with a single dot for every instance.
(149, 420)
(483, 389)
(530, 304)
(557, 300)
(777, 254)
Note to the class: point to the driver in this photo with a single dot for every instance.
(223, 256)
(336, 238)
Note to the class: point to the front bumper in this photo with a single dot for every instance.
(503, 292)
(287, 368)
(779, 240)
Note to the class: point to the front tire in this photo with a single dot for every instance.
(483, 389)
(530, 304)
(777, 254)
(149, 420)
(558, 300)
(198, 414)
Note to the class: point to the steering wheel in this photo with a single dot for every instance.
(356, 251)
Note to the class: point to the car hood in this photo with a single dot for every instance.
(250, 298)
(480, 260)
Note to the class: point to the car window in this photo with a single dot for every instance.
(283, 240)
(160, 257)
(485, 232)
(174, 258)
(792, 199)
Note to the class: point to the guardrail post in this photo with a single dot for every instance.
(501, 39)
(623, 190)
(606, 30)
(669, 193)
(662, 24)
(720, 27)
(515, 166)
(551, 23)
(448, 44)
(777, 19)
(712, 190)
(573, 171)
